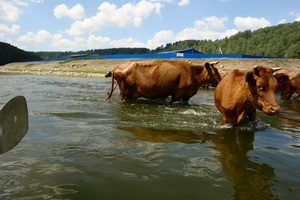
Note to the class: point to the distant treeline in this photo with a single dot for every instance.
(282, 40)
(46, 55)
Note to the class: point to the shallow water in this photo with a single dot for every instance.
(80, 146)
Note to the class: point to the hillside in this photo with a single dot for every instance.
(282, 40)
(9, 53)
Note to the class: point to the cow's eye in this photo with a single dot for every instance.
(261, 88)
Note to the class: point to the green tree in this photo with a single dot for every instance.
(293, 51)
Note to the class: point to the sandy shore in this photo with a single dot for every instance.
(99, 67)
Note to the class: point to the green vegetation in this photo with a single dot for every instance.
(282, 40)
(46, 55)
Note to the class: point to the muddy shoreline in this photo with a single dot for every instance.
(99, 67)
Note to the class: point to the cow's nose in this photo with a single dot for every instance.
(274, 109)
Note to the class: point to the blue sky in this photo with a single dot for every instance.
(73, 25)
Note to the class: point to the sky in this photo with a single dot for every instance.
(74, 25)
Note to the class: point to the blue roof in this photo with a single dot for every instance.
(181, 53)
(188, 50)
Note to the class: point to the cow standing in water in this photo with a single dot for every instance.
(240, 93)
(161, 78)
(291, 87)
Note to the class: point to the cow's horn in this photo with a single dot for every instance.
(214, 63)
(276, 69)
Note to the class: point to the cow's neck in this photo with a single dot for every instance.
(251, 95)
(199, 74)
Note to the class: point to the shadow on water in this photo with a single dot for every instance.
(251, 180)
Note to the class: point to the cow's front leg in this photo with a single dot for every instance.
(252, 116)
(224, 119)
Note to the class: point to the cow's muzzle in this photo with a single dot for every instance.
(271, 110)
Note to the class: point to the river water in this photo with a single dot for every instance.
(80, 146)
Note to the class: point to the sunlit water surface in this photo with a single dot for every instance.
(80, 146)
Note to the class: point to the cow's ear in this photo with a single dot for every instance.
(249, 76)
(207, 66)
(256, 70)
(281, 77)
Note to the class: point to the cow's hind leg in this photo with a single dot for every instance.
(175, 98)
(180, 96)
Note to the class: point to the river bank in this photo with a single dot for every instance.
(99, 67)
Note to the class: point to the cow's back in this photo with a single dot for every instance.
(231, 97)
(162, 78)
(159, 79)
(230, 89)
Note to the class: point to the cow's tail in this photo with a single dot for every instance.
(113, 86)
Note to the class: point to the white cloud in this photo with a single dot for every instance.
(37, 1)
(161, 37)
(75, 13)
(109, 15)
(126, 42)
(184, 2)
(20, 2)
(99, 42)
(4, 29)
(9, 13)
(283, 21)
(208, 28)
(62, 43)
(251, 23)
(40, 36)
(294, 13)
(211, 23)
(164, 1)
(197, 34)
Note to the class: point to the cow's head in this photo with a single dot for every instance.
(285, 86)
(262, 84)
(214, 76)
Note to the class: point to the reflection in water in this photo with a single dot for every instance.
(251, 180)
(161, 136)
(290, 114)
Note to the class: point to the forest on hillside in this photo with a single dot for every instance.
(282, 40)
(9, 53)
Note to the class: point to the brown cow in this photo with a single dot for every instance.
(291, 87)
(161, 78)
(241, 93)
